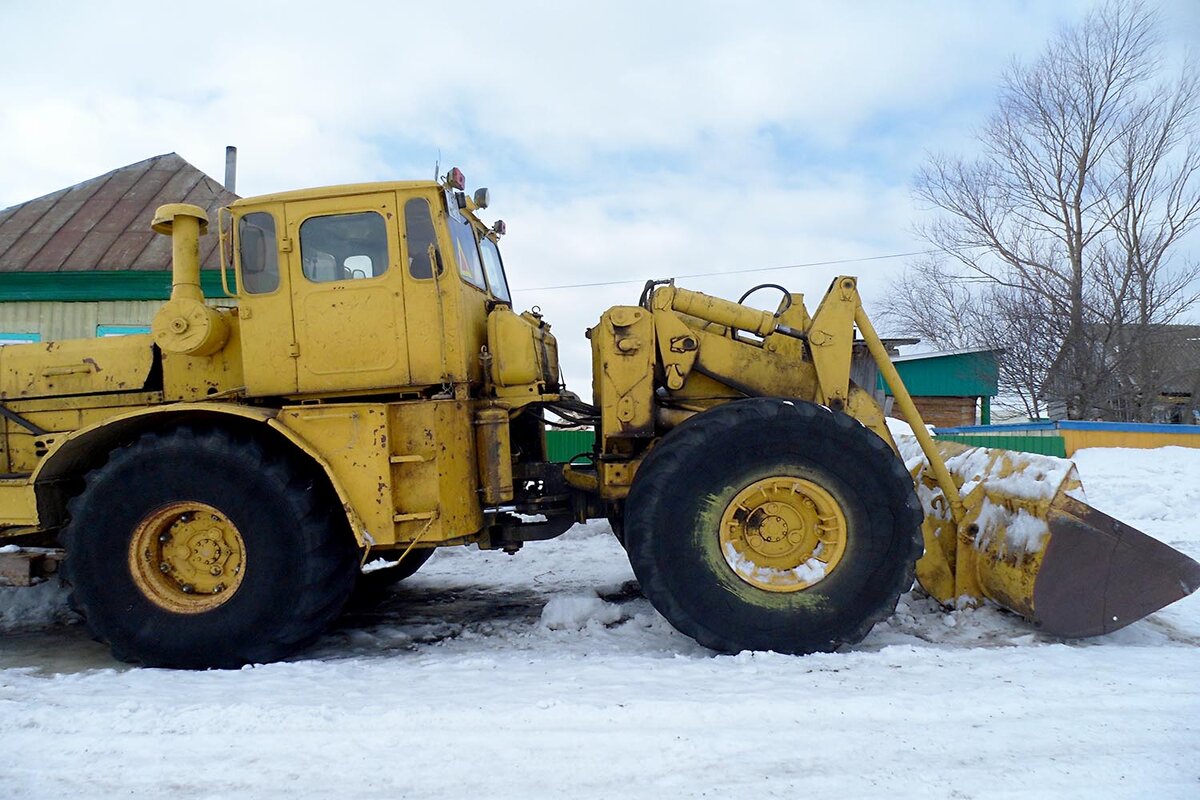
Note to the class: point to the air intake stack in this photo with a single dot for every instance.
(185, 325)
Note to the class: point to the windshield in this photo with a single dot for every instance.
(466, 251)
(494, 269)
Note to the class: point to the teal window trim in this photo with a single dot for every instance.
(120, 330)
(7, 337)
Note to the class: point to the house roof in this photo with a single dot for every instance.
(1173, 352)
(103, 224)
(944, 353)
(1178, 351)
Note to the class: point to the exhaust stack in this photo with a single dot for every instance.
(231, 169)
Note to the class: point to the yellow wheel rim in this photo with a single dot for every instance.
(187, 557)
(783, 534)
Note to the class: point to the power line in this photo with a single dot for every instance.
(732, 271)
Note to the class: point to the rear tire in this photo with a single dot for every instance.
(201, 548)
(767, 475)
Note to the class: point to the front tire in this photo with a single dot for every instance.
(769, 524)
(202, 548)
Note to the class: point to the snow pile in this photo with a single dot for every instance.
(898, 427)
(1023, 532)
(33, 607)
(1026, 476)
(1009, 481)
(576, 612)
(1157, 491)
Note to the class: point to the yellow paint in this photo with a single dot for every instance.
(783, 534)
(185, 324)
(189, 378)
(187, 558)
(434, 471)
(18, 504)
(75, 367)
(623, 357)
(523, 354)
(57, 417)
(982, 549)
(1078, 439)
(830, 339)
(493, 455)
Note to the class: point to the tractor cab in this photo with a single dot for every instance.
(374, 288)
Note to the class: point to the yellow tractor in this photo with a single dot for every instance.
(367, 389)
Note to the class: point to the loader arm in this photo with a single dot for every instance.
(998, 525)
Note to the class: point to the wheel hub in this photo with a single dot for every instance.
(187, 557)
(783, 534)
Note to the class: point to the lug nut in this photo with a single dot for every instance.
(164, 567)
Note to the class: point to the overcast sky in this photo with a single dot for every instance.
(620, 140)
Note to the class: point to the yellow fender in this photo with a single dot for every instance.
(69, 454)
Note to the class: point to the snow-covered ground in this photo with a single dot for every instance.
(546, 675)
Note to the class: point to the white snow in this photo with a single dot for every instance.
(810, 571)
(546, 675)
(1009, 479)
(574, 613)
(898, 427)
(1025, 475)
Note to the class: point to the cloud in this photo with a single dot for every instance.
(622, 141)
(305, 88)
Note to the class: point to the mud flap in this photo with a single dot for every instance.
(1099, 574)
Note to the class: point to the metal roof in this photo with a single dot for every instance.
(103, 224)
(340, 190)
(962, 351)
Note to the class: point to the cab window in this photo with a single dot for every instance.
(344, 247)
(466, 251)
(420, 236)
(494, 269)
(258, 252)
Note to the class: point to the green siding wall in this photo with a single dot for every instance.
(562, 446)
(960, 375)
(99, 285)
(1044, 445)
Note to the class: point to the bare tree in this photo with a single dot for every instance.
(933, 302)
(1088, 178)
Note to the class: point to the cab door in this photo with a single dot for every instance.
(347, 294)
(265, 303)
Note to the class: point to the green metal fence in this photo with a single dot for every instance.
(562, 446)
(1044, 445)
(1045, 438)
